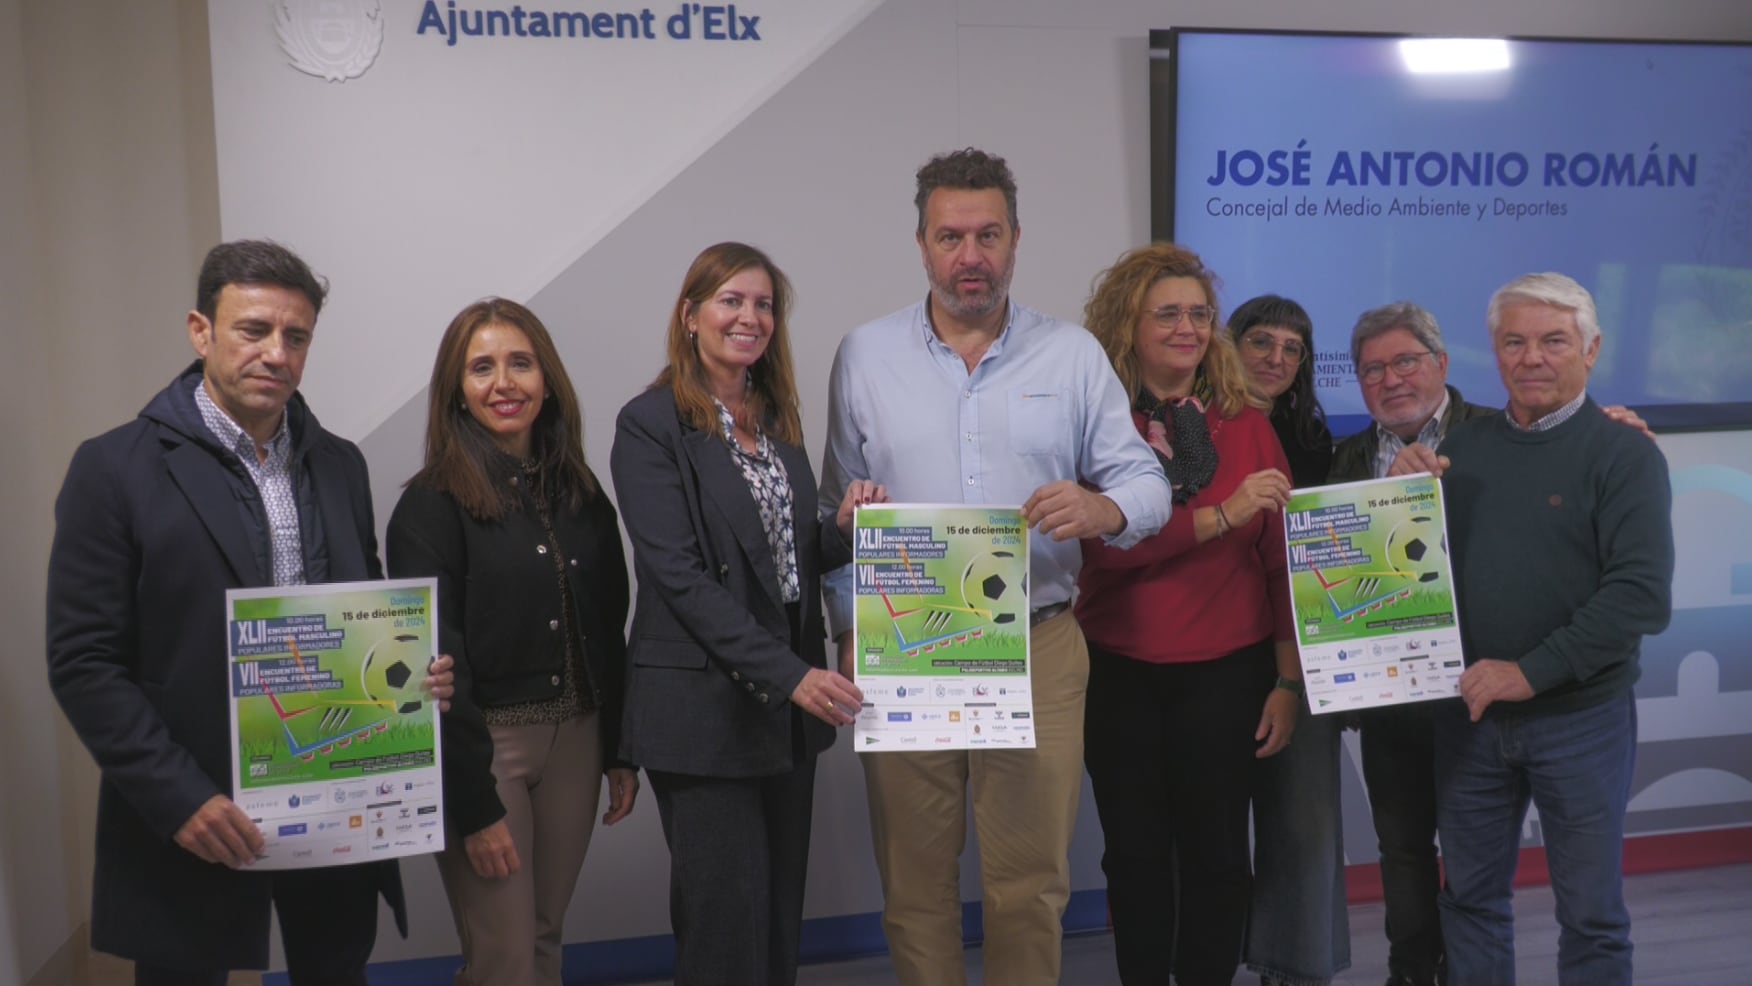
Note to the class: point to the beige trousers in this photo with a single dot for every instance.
(549, 778)
(1024, 811)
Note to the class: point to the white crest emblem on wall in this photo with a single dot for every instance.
(334, 40)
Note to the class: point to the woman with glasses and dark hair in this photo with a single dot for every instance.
(1299, 929)
(1193, 674)
(532, 603)
(1275, 337)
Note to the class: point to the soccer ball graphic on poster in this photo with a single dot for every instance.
(997, 583)
(1417, 549)
(393, 673)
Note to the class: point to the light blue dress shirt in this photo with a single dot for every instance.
(1042, 405)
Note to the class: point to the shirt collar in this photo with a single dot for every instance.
(1430, 434)
(930, 333)
(727, 424)
(1551, 420)
(232, 436)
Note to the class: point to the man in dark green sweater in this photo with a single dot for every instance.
(1560, 530)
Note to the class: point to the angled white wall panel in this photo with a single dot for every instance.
(442, 173)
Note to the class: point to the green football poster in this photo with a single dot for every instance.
(334, 741)
(941, 627)
(1373, 593)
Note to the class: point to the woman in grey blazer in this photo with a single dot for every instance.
(730, 696)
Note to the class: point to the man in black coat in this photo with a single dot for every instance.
(1402, 368)
(225, 480)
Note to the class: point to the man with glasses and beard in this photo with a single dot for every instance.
(1402, 368)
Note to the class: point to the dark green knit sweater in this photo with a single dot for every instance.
(1562, 543)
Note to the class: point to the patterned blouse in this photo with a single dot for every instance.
(771, 488)
(574, 697)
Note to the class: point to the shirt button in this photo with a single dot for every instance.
(970, 480)
(970, 436)
(514, 480)
(763, 697)
(967, 393)
(554, 680)
(574, 563)
(541, 549)
(749, 686)
(735, 676)
(553, 624)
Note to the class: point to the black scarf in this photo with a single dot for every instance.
(1176, 430)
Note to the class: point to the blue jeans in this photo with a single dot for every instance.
(1576, 768)
(1298, 928)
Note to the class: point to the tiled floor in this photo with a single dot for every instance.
(1691, 928)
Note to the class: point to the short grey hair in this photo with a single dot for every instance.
(1556, 290)
(1414, 319)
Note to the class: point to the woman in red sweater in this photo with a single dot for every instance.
(1193, 673)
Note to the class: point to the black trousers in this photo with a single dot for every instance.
(738, 856)
(1399, 768)
(1170, 752)
(328, 924)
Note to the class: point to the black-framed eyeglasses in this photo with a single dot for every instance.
(1169, 316)
(1261, 344)
(1402, 366)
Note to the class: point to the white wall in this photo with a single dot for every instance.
(108, 197)
(36, 857)
(108, 161)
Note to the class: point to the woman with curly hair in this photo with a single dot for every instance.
(1193, 676)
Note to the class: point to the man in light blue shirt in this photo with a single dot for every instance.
(968, 397)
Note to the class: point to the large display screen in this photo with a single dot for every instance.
(1349, 171)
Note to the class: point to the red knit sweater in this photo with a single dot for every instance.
(1173, 600)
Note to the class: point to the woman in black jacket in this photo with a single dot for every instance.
(730, 696)
(532, 602)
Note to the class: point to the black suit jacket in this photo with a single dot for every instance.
(713, 656)
(153, 524)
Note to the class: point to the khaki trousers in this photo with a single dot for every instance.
(549, 778)
(1024, 811)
